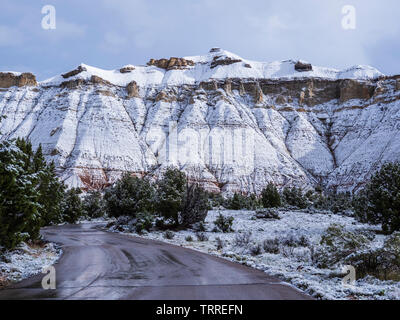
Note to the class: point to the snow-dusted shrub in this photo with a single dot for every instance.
(201, 236)
(169, 235)
(271, 246)
(242, 239)
(287, 252)
(224, 224)
(382, 263)
(337, 244)
(293, 240)
(189, 239)
(256, 249)
(143, 222)
(267, 214)
(195, 206)
(219, 243)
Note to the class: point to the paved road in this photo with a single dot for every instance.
(101, 265)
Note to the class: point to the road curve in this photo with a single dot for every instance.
(102, 265)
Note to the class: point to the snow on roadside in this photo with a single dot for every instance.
(294, 265)
(26, 261)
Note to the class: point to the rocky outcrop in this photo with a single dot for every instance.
(74, 72)
(223, 61)
(127, 69)
(352, 89)
(171, 63)
(303, 67)
(132, 90)
(9, 79)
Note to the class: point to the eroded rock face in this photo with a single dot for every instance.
(171, 63)
(132, 90)
(306, 131)
(9, 79)
(352, 89)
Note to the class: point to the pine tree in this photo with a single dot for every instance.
(72, 207)
(19, 206)
(379, 201)
(94, 204)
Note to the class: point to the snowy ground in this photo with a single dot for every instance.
(26, 261)
(291, 264)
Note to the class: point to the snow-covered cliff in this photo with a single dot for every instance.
(231, 123)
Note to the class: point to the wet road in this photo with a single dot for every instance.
(101, 265)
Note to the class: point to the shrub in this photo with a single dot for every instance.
(129, 196)
(267, 214)
(270, 197)
(382, 263)
(195, 206)
(219, 243)
(224, 224)
(242, 239)
(256, 250)
(337, 244)
(169, 235)
(295, 241)
(379, 201)
(189, 239)
(201, 236)
(271, 246)
(143, 222)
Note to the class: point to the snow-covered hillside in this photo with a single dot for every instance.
(231, 123)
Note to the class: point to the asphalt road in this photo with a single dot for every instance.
(102, 265)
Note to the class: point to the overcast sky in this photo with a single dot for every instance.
(112, 33)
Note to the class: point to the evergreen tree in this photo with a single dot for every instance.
(19, 206)
(379, 201)
(94, 204)
(170, 194)
(270, 197)
(129, 196)
(294, 197)
(72, 207)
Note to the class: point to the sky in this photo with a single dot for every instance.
(111, 33)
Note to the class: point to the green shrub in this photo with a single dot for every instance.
(270, 197)
(169, 235)
(195, 206)
(129, 196)
(337, 244)
(224, 224)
